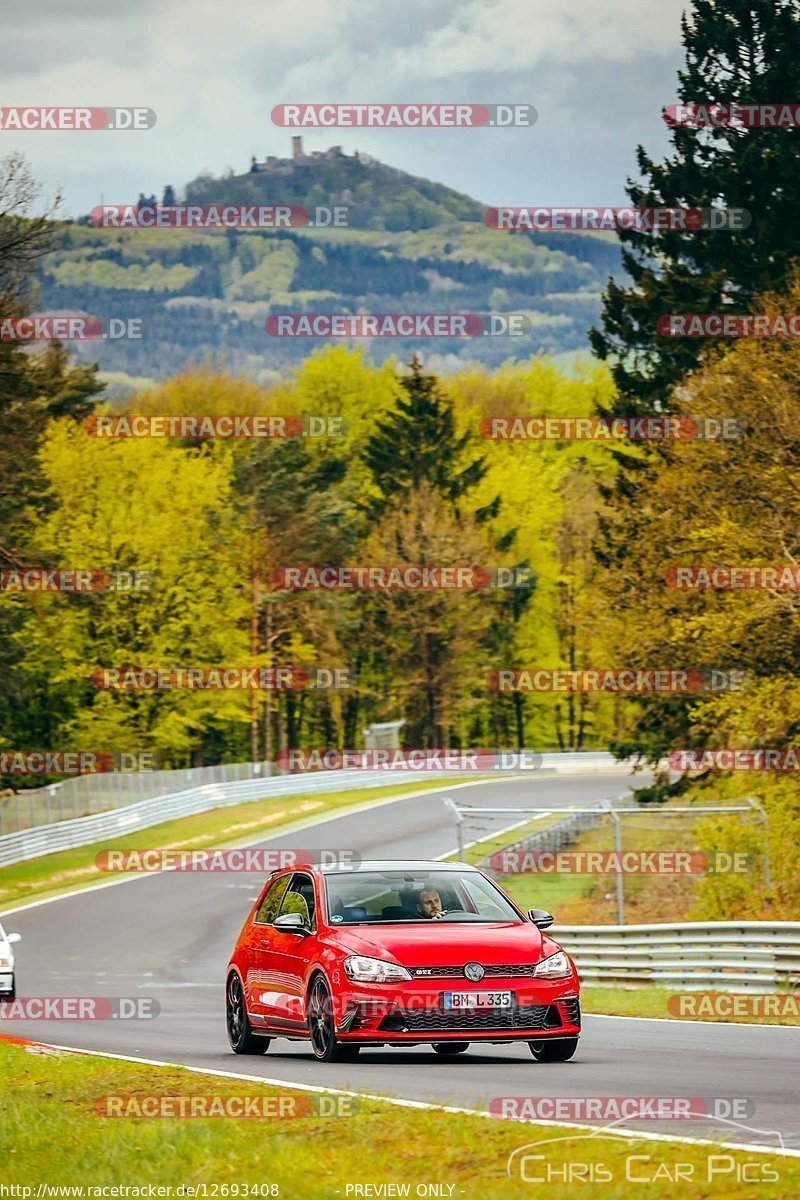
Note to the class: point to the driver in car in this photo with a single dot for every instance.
(429, 904)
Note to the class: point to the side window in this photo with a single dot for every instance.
(271, 903)
(299, 898)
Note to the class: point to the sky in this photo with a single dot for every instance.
(597, 73)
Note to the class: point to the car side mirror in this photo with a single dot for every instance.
(13, 938)
(291, 923)
(540, 917)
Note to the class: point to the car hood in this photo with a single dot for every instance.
(439, 943)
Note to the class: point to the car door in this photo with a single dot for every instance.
(258, 982)
(288, 955)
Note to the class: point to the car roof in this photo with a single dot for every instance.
(394, 864)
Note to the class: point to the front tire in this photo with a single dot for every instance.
(240, 1034)
(560, 1050)
(321, 1028)
(448, 1049)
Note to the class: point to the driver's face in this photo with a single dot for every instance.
(430, 904)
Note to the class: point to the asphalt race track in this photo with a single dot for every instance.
(170, 935)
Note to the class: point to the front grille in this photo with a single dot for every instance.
(520, 969)
(439, 1020)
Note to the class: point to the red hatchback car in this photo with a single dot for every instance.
(398, 954)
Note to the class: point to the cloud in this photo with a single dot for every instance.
(598, 74)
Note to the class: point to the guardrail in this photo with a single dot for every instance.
(738, 956)
(83, 831)
(85, 795)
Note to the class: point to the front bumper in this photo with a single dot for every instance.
(413, 1013)
(6, 983)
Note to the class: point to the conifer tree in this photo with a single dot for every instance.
(741, 52)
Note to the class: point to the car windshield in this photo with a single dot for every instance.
(355, 897)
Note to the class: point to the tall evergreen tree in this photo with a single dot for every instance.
(737, 52)
(418, 444)
(423, 474)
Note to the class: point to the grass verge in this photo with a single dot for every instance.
(51, 1133)
(653, 1002)
(55, 874)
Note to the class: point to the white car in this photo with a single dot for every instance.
(7, 940)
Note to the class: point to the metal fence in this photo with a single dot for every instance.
(116, 823)
(203, 794)
(753, 956)
(554, 837)
(89, 794)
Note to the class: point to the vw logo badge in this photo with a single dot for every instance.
(474, 971)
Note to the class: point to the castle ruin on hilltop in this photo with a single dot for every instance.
(285, 166)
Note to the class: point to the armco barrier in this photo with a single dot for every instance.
(735, 956)
(83, 831)
(118, 822)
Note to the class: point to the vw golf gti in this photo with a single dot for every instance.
(398, 954)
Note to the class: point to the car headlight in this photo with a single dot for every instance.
(5, 962)
(373, 970)
(557, 966)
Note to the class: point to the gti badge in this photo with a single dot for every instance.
(474, 971)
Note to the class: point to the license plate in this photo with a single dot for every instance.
(478, 1000)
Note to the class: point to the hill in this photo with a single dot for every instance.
(411, 245)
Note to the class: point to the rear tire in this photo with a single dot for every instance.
(559, 1050)
(448, 1049)
(240, 1034)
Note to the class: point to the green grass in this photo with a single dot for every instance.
(653, 1002)
(50, 1133)
(54, 874)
